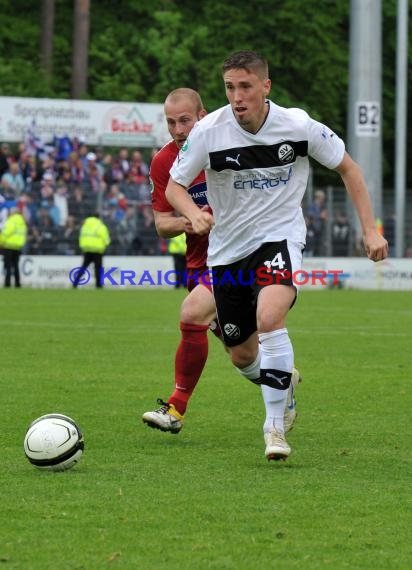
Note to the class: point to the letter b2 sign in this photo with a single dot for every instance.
(368, 119)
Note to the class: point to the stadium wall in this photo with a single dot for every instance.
(156, 272)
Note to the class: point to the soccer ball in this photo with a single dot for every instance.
(53, 442)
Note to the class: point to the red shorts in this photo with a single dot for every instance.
(198, 276)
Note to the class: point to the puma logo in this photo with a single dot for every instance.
(231, 159)
(280, 380)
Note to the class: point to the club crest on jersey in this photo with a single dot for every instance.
(185, 146)
(232, 330)
(286, 153)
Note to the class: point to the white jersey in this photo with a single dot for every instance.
(255, 182)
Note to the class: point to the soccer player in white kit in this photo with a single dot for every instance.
(256, 158)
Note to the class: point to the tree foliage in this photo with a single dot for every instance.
(141, 50)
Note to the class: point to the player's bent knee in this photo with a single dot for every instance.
(241, 358)
(197, 310)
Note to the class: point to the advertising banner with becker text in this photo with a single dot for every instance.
(107, 123)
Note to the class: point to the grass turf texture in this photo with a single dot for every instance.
(206, 498)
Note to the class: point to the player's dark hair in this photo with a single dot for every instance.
(252, 61)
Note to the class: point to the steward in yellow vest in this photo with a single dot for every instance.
(177, 244)
(94, 236)
(12, 240)
(177, 249)
(93, 240)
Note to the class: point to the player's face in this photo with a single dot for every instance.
(181, 117)
(246, 93)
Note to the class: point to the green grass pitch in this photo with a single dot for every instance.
(206, 498)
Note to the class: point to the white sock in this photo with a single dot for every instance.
(276, 353)
(251, 372)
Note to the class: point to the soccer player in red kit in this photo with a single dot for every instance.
(183, 107)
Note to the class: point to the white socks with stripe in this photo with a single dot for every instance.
(276, 353)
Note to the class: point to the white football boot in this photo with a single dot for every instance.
(290, 410)
(276, 445)
(165, 418)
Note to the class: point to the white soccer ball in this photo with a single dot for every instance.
(54, 442)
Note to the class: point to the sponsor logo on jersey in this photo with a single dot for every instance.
(198, 192)
(252, 182)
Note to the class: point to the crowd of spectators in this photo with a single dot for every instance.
(57, 188)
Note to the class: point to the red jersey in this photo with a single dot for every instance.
(162, 161)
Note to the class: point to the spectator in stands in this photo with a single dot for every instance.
(46, 189)
(82, 152)
(7, 151)
(61, 166)
(77, 142)
(317, 211)
(150, 239)
(28, 208)
(44, 234)
(113, 173)
(77, 205)
(310, 238)
(4, 163)
(115, 197)
(139, 167)
(68, 237)
(94, 173)
(13, 238)
(124, 162)
(60, 202)
(93, 241)
(28, 169)
(93, 162)
(99, 151)
(76, 167)
(147, 215)
(341, 235)
(12, 181)
(66, 178)
(47, 165)
(127, 232)
(63, 147)
(21, 149)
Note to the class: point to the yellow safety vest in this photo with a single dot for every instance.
(177, 244)
(94, 236)
(14, 233)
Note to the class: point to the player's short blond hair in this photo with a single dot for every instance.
(185, 93)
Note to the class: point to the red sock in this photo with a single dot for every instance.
(214, 327)
(191, 357)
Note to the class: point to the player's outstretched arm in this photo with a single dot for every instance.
(177, 196)
(376, 245)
